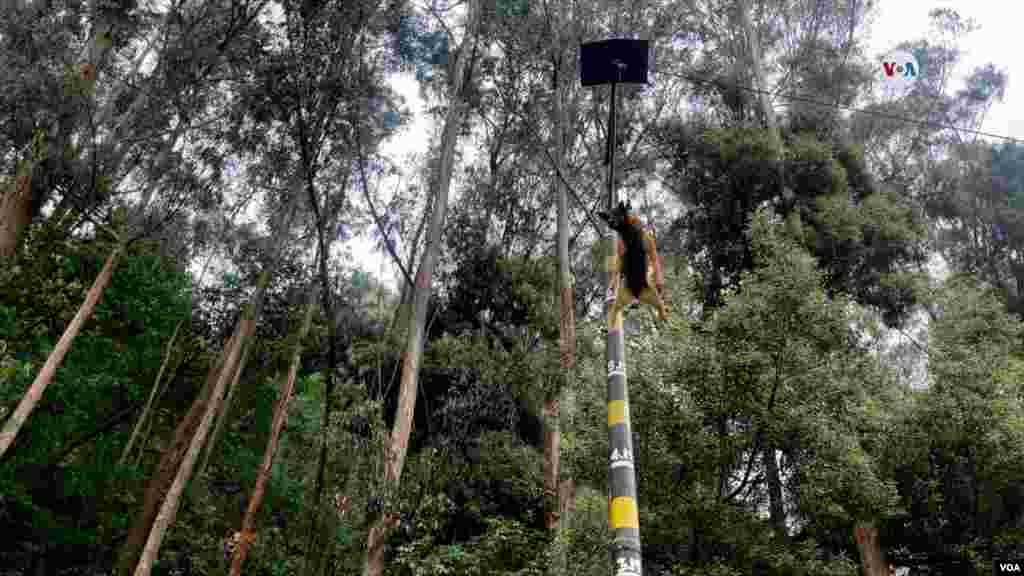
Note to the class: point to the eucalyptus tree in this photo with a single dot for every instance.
(978, 214)
(312, 100)
(223, 36)
(563, 75)
(775, 366)
(958, 464)
(905, 155)
(44, 139)
(463, 61)
(279, 420)
(106, 169)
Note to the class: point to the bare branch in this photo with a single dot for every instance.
(376, 218)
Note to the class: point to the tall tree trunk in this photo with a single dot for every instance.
(403, 311)
(153, 394)
(45, 376)
(280, 417)
(776, 511)
(188, 428)
(170, 463)
(15, 210)
(169, 509)
(567, 322)
(16, 205)
(313, 553)
(872, 560)
(84, 312)
(398, 441)
(753, 53)
(754, 62)
(313, 550)
(222, 413)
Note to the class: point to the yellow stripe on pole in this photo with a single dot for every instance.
(611, 262)
(615, 321)
(623, 513)
(617, 412)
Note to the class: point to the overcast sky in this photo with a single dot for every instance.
(897, 20)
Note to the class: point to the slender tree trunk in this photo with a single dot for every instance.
(567, 322)
(552, 439)
(172, 460)
(566, 498)
(144, 438)
(280, 417)
(15, 210)
(222, 414)
(753, 52)
(872, 560)
(170, 463)
(46, 374)
(403, 312)
(777, 513)
(17, 201)
(169, 509)
(399, 440)
(153, 394)
(314, 553)
(755, 64)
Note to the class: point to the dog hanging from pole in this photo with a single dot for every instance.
(637, 262)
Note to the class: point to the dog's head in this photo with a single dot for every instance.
(618, 219)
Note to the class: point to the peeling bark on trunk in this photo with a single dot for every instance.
(872, 560)
(567, 306)
(169, 509)
(280, 417)
(552, 442)
(187, 431)
(46, 374)
(169, 464)
(15, 211)
(222, 413)
(399, 439)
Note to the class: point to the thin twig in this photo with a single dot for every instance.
(572, 191)
(377, 220)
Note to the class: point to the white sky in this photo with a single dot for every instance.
(996, 41)
(411, 141)
(896, 21)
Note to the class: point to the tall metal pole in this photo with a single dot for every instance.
(623, 513)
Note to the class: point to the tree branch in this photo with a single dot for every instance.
(572, 191)
(377, 220)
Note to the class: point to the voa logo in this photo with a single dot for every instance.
(1009, 567)
(898, 72)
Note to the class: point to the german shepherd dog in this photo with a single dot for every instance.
(637, 262)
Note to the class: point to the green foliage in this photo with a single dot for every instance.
(473, 516)
(513, 8)
(110, 367)
(960, 445)
(118, 352)
(504, 549)
(857, 234)
(777, 360)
